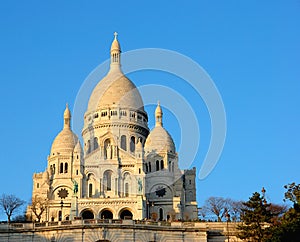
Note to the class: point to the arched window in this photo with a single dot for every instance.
(90, 190)
(157, 165)
(96, 144)
(149, 166)
(107, 180)
(127, 183)
(161, 214)
(132, 144)
(59, 215)
(66, 167)
(88, 147)
(126, 190)
(123, 142)
(61, 168)
(162, 165)
(87, 214)
(146, 165)
(54, 169)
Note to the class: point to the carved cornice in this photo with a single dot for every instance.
(106, 202)
(133, 127)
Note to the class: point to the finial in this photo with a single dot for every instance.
(158, 115)
(115, 34)
(67, 117)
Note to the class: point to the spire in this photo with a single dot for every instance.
(67, 117)
(115, 53)
(158, 115)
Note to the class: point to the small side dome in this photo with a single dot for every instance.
(159, 139)
(66, 140)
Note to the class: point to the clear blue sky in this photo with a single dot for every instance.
(249, 48)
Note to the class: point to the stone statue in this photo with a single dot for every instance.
(75, 187)
(140, 185)
(108, 152)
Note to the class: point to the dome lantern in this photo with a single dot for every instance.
(158, 115)
(67, 118)
(115, 54)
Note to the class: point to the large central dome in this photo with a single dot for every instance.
(115, 112)
(115, 88)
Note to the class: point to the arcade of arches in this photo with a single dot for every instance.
(107, 214)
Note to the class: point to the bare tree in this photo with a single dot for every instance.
(235, 209)
(202, 213)
(38, 207)
(217, 206)
(10, 204)
(277, 210)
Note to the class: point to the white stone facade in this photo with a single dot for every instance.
(123, 170)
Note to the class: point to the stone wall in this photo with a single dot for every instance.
(117, 230)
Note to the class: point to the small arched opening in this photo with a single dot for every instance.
(157, 165)
(106, 214)
(87, 214)
(123, 142)
(90, 190)
(126, 214)
(161, 214)
(96, 144)
(162, 166)
(132, 144)
(66, 167)
(107, 177)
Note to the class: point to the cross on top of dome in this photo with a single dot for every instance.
(115, 34)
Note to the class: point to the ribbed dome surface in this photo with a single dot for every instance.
(115, 89)
(65, 141)
(159, 140)
(123, 93)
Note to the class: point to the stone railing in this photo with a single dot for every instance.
(117, 222)
(212, 227)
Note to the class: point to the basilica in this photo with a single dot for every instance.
(122, 170)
